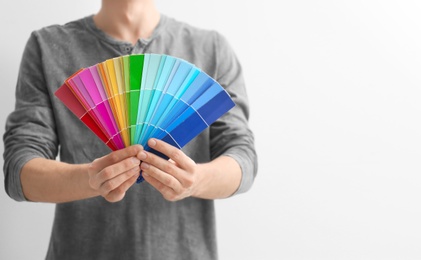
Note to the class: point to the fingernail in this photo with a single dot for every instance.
(144, 165)
(142, 155)
(152, 142)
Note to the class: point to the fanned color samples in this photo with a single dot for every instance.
(129, 99)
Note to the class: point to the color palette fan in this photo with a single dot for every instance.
(129, 99)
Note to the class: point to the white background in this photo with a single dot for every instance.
(334, 88)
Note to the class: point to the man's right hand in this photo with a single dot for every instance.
(113, 174)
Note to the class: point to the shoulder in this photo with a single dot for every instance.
(203, 47)
(61, 49)
(61, 30)
(175, 26)
(187, 32)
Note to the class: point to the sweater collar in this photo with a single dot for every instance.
(90, 25)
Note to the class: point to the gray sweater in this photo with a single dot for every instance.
(143, 225)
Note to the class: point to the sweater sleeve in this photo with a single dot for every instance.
(30, 128)
(231, 134)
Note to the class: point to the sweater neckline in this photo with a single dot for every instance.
(90, 25)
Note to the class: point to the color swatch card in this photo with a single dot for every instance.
(129, 99)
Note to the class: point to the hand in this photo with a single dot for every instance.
(112, 175)
(176, 178)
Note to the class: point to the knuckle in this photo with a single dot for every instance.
(119, 190)
(135, 148)
(169, 168)
(107, 173)
(113, 157)
(115, 195)
(176, 154)
(167, 182)
(133, 171)
(108, 186)
(188, 182)
(128, 163)
(93, 166)
(170, 197)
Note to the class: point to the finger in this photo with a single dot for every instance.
(167, 192)
(112, 184)
(115, 157)
(165, 170)
(167, 167)
(119, 193)
(166, 179)
(114, 170)
(173, 153)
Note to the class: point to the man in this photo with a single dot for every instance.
(172, 215)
